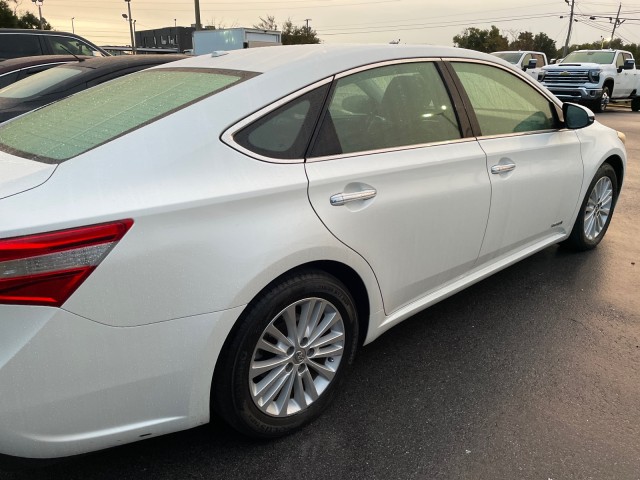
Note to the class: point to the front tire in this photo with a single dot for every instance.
(601, 104)
(596, 210)
(635, 104)
(283, 364)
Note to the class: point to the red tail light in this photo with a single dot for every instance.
(46, 268)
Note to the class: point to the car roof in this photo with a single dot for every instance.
(12, 64)
(29, 31)
(323, 60)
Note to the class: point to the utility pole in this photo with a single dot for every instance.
(566, 43)
(616, 23)
(198, 24)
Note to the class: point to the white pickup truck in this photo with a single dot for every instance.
(595, 78)
(528, 61)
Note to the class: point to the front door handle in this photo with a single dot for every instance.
(503, 168)
(340, 199)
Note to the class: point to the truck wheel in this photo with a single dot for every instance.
(635, 104)
(600, 105)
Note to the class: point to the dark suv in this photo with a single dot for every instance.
(16, 43)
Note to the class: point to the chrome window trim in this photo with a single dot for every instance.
(386, 63)
(227, 135)
(390, 149)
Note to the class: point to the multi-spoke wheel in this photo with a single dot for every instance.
(282, 363)
(596, 210)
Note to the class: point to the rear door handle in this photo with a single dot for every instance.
(340, 199)
(503, 168)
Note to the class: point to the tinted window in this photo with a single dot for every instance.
(39, 82)
(8, 78)
(602, 57)
(386, 107)
(511, 57)
(79, 123)
(503, 102)
(285, 133)
(17, 45)
(68, 45)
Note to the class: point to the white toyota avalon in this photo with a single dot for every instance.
(221, 234)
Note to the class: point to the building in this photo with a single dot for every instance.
(178, 39)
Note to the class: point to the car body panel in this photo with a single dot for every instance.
(415, 195)
(537, 198)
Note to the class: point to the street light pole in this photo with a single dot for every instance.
(197, 7)
(73, 29)
(133, 43)
(39, 4)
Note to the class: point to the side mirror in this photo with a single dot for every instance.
(577, 116)
(629, 64)
(532, 64)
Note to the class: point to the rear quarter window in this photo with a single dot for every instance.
(96, 116)
(14, 45)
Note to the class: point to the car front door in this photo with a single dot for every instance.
(535, 166)
(391, 176)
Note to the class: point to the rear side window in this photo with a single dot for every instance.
(387, 107)
(93, 117)
(13, 45)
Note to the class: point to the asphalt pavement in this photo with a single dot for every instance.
(533, 373)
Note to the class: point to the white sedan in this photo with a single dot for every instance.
(221, 234)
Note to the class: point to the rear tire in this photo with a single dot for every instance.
(596, 210)
(283, 364)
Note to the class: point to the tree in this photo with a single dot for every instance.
(294, 35)
(482, 40)
(268, 23)
(12, 19)
(542, 43)
(524, 41)
(291, 34)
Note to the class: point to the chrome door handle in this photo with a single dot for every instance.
(504, 168)
(340, 199)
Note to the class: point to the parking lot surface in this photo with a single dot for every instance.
(533, 373)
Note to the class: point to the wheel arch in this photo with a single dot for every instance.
(347, 275)
(616, 162)
(609, 82)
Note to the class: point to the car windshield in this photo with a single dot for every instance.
(39, 82)
(511, 57)
(72, 126)
(597, 56)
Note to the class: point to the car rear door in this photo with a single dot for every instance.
(535, 166)
(393, 178)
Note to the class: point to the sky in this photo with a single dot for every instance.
(349, 21)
